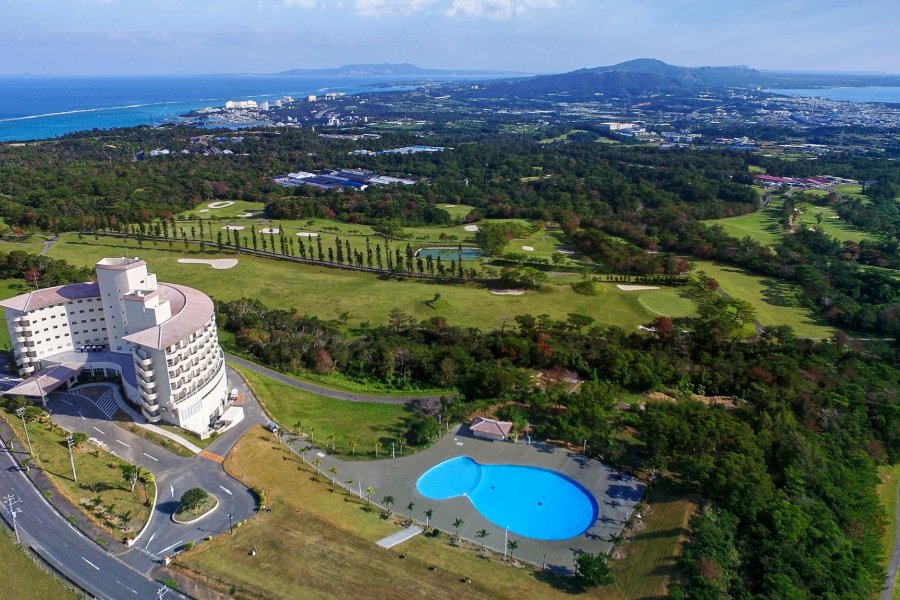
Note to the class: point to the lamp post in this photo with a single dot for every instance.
(231, 523)
(70, 441)
(20, 412)
(10, 500)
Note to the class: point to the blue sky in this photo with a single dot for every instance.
(217, 36)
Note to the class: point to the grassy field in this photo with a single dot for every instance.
(328, 293)
(240, 207)
(319, 543)
(887, 494)
(777, 302)
(21, 577)
(101, 493)
(367, 423)
(561, 138)
(672, 302)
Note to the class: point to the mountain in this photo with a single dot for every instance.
(646, 75)
(401, 70)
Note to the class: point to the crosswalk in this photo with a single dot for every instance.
(213, 457)
(107, 404)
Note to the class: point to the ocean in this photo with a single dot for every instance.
(34, 107)
(850, 94)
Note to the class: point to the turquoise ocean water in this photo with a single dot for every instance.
(850, 94)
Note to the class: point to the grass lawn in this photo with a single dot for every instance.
(185, 515)
(240, 207)
(777, 302)
(651, 559)
(23, 579)
(124, 421)
(101, 493)
(189, 436)
(367, 423)
(320, 543)
(887, 494)
(457, 211)
(561, 138)
(672, 302)
(328, 293)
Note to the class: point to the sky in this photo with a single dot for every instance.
(120, 37)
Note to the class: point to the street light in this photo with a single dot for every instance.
(70, 441)
(231, 523)
(20, 412)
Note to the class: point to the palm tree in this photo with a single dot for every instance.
(409, 507)
(428, 514)
(512, 545)
(457, 523)
(369, 491)
(130, 473)
(312, 432)
(146, 478)
(331, 438)
(481, 534)
(333, 471)
(316, 464)
(297, 425)
(377, 446)
(353, 444)
(349, 483)
(303, 454)
(388, 502)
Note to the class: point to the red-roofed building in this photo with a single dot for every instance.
(490, 429)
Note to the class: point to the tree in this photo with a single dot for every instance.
(457, 523)
(369, 491)
(331, 438)
(78, 439)
(333, 471)
(316, 463)
(130, 474)
(353, 444)
(194, 498)
(593, 569)
(481, 534)
(428, 512)
(512, 545)
(388, 502)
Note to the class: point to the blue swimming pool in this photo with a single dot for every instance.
(449, 254)
(532, 502)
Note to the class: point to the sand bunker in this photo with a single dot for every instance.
(215, 263)
(307, 234)
(234, 227)
(566, 252)
(270, 230)
(508, 292)
(203, 210)
(636, 288)
(471, 227)
(247, 215)
(527, 248)
(222, 204)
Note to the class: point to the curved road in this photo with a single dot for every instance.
(888, 591)
(324, 391)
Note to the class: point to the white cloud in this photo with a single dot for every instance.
(301, 3)
(380, 8)
(501, 10)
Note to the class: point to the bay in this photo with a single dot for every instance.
(847, 94)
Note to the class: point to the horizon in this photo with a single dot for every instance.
(161, 37)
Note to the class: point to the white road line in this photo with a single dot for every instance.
(123, 443)
(65, 402)
(147, 545)
(90, 563)
(226, 490)
(170, 547)
(150, 457)
(126, 587)
(82, 416)
(100, 430)
(172, 489)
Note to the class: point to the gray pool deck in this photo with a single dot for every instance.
(616, 494)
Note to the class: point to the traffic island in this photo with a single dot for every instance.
(196, 504)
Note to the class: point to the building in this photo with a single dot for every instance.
(160, 338)
(490, 429)
(234, 104)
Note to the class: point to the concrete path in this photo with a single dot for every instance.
(47, 246)
(399, 537)
(324, 391)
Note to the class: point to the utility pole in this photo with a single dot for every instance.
(231, 523)
(161, 592)
(10, 501)
(505, 541)
(20, 412)
(70, 441)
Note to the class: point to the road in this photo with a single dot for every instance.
(85, 563)
(888, 591)
(323, 391)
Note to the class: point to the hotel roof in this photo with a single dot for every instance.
(50, 296)
(45, 381)
(191, 309)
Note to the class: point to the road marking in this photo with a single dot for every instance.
(150, 457)
(90, 563)
(100, 430)
(123, 443)
(147, 545)
(172, 489)
(82, 416)
(66, 402)
(227, 491)
(126, 587)
(170, 547)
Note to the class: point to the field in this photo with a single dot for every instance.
(319, 543)
(101, 491)
(21, 577)
(366, 423)
(328, 293)
(240, 207)
(887, 494)
(777, 302)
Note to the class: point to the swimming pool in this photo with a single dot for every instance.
(532, 502)
(449, 253)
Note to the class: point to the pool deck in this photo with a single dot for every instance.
(616, 494)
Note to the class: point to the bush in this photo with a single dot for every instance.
(193, 498)
(593, 569)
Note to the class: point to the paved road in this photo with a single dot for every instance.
(323, 391)
(85, 563)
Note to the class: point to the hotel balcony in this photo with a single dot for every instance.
(149, 398)
(26, 369)
(143, 362)
(152, 416)
(147, 386)
(147, 375)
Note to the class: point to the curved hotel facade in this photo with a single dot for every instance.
(160, 337)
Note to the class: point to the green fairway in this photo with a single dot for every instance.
(320, 417)
(328, 293)
(457, 211)
(777, 302)
(670, 302)
(240, 207)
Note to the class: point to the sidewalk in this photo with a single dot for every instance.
(140, 421)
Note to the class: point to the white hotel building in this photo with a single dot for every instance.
(159, 337)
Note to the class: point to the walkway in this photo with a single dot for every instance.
(324, 391)
(399, 537)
